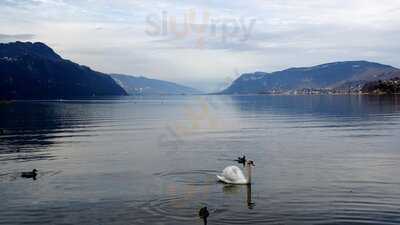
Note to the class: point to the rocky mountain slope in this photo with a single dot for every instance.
(338, 75)
(35, 71)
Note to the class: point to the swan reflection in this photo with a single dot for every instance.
(236, 189)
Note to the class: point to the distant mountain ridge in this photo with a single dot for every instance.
(337, 75)
(19, 49)
(34, 71)
(142, 85)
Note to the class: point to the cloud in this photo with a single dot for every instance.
(16, 37)
(111, 35)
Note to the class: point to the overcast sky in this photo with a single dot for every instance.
(206, 42)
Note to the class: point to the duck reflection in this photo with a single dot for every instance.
(236, 189)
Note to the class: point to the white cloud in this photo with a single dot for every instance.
(111, 35)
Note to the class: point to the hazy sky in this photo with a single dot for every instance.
(206, 42)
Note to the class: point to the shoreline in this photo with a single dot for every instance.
(10, 101)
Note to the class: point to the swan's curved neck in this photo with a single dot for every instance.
(248, 170)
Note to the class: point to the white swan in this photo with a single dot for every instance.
(234, 175)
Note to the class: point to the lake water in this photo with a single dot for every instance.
(319, 160)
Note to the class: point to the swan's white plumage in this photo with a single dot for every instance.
(233, 175)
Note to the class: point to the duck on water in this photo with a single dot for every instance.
(203, 214)
(32, 174)
(241, 160)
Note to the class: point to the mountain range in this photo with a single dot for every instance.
(348, 75)
(34, 71)
(146, 86)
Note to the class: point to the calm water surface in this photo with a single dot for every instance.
(319, 160)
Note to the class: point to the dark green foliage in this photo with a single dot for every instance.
(383, 87)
